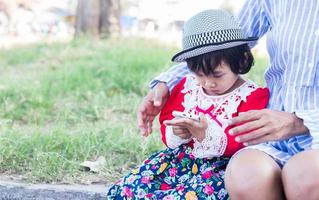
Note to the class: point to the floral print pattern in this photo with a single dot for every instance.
(174, 174)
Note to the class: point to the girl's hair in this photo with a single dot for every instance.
(239, 58)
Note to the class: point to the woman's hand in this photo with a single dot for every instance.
(151, 107)
(186, 126)
(266, 125)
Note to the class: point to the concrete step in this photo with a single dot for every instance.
(23, 191)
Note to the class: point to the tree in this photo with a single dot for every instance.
(110, 17)
(98, 17)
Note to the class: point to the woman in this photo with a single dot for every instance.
(287, 133)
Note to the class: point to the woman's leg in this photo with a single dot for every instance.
(300, 176)
(252, 174)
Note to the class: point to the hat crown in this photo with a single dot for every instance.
(210, 20)
(208, 31)
(210, 27)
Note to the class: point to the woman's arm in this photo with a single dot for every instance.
(254, 18)
(172, 76)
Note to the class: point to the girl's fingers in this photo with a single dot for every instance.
(185, 122)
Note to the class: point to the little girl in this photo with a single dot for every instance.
(192, 167)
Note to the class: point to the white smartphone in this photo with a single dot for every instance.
(179, 114)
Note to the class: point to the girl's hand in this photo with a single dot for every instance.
(181, 132)
(266, 125)
(196, 128)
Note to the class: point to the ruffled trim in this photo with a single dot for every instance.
(215, 141)
(173, 141)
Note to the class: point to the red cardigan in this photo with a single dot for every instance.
(257, 100)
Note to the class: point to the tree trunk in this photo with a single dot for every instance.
(110, 18)
(98, 17)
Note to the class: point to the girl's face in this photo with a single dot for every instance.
(220, 82)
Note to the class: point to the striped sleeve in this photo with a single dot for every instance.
(254, 18)
(310, 119)
(172, 76)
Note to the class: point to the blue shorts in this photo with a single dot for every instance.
(282, 151)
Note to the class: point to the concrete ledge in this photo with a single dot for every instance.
(22, 191)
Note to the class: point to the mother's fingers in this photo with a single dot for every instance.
(248, 126)
(160, 94)
(253, 135)
(264, 138)
(246, 116)
(141, 119)
(149, 127)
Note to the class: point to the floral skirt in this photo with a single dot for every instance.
(174, 174)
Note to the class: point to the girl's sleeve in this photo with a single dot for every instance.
(173, 141)
(214, 143)
(254, 17)
(257, 100)
(173, 103)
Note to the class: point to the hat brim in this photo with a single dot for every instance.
(202, 49)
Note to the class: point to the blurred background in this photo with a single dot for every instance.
(25, 21)
(72, 74)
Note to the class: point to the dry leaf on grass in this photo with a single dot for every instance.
(94, 166)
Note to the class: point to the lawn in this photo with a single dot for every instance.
(65, 103)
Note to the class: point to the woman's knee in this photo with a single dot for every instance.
(252, 171)
(300, 176)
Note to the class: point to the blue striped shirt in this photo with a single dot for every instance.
(292, 29)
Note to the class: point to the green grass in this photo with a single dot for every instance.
(62, 104)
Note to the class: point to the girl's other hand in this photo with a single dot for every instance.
(196, 128)
(181, 132)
